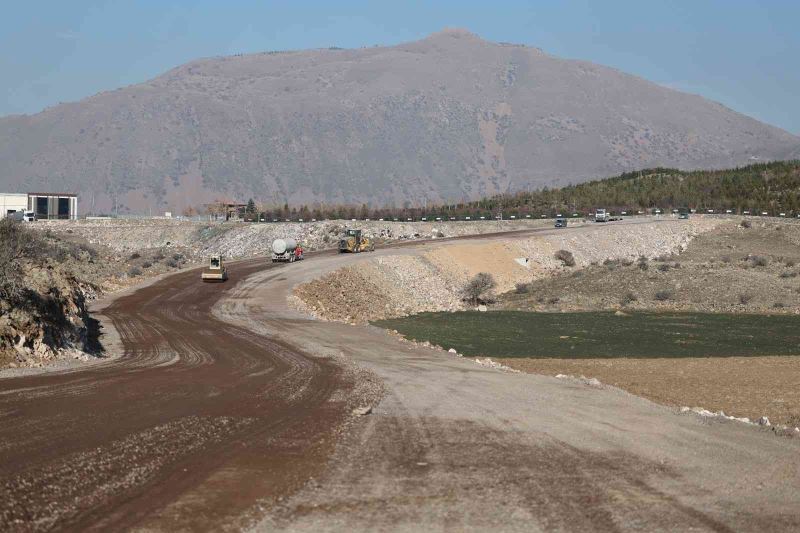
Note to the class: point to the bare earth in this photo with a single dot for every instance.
(741, 386)
(230, 410)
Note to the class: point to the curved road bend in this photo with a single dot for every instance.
(197, 423)
(205, 424)
(195, 409)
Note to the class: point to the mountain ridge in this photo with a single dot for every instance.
(448, 117)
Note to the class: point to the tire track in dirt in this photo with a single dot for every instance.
(197, 423)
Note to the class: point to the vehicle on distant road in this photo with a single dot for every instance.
(600, 215)
(561, 223)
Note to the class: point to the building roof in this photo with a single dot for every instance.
(69, 194)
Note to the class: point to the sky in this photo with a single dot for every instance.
(744, 54)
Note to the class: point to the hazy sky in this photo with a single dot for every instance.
(743, 53)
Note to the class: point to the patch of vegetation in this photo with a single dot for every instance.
(16, 243)
(134, 271)
(522, 288)
(744, 298)
(565, 257)
(478, 289)
(664, 295)
(642, 263)
(629, 298)
(758, 261)
(603, 334)
(746, 224)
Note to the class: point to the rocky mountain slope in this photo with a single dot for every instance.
(445, 118)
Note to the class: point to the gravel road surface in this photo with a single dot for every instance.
(228, 410)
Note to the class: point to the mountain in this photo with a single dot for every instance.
(450, 117)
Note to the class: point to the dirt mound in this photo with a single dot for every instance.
(43, 313)
(347, 294)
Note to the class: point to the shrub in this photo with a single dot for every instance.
(627, 262)
(565, 257)
(478, 288)
(134, 271)
(135, 255)
(758, 261)
(642, 263)
(746, 224)
(16, 243)
(789, 263)
(521, 288)
(629, 298)
(158, 256)
(788, 274)
(663, 267)
(553, 300)
(664, 295)
(172, 263)
(147, 264)
(744, 298)
(726, 259)
(778, 305)
(177, 257)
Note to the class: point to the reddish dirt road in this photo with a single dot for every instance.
(159, 437)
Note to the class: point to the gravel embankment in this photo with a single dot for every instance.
(239, 240)
(399, 285)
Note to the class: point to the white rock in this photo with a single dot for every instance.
(362, 411)
(452, 350)
(763, 421)
(482, 308)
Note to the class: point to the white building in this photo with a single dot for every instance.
(56, 206)
(12, 203)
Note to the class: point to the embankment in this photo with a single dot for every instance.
(403, 284)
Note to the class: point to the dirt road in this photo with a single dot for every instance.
(198, 421)
(226, 412)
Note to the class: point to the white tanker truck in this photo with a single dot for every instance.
(286, 250)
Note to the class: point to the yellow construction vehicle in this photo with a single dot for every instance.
(216, 271)
(352, 241)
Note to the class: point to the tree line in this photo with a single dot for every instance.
(772, 187)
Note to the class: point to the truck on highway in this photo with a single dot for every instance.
(600, 215)
(286, 251)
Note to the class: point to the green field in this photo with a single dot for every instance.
(603, 334)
